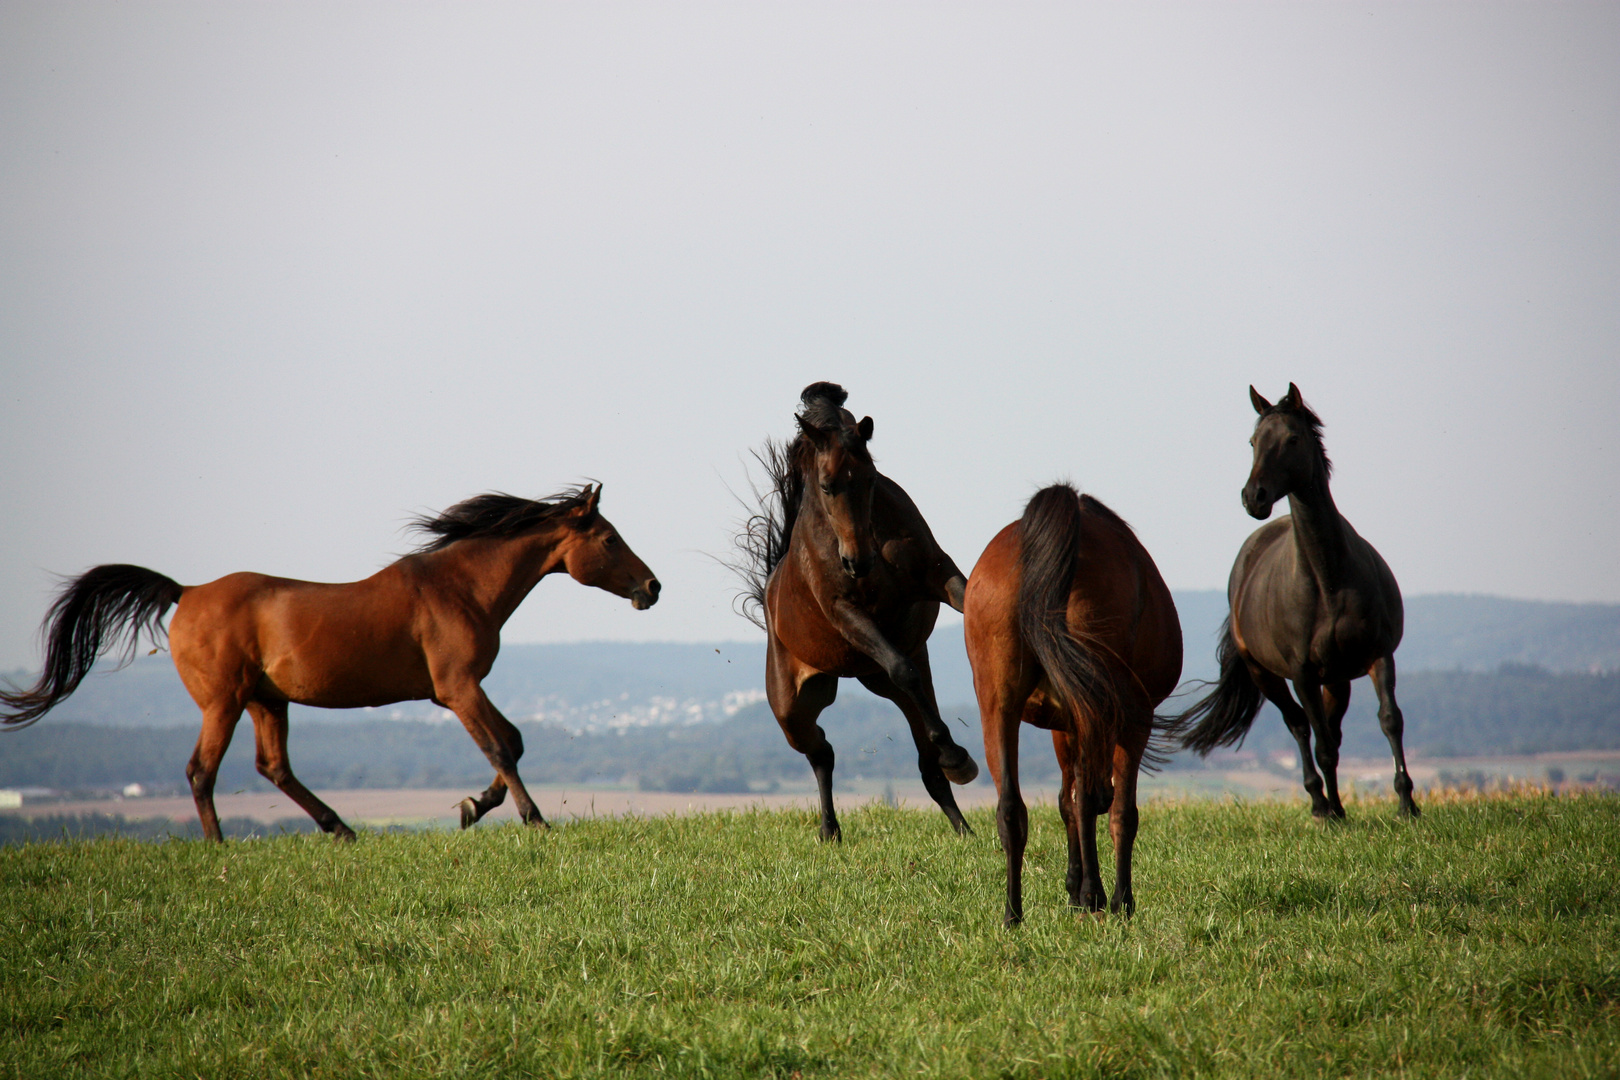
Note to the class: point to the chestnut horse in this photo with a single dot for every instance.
(1070, 628)
(426, 627)
(1311, 601)
(846, 580)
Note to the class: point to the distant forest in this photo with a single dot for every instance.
(1516, 709)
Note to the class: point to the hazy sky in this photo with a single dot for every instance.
(274, 277)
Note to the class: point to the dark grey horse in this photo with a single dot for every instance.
(1312, 602)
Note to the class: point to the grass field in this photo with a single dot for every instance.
(1483, 940)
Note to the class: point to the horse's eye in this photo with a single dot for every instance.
(826, 489)
(1292, 439)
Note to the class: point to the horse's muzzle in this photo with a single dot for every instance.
(1257, 502)
(645, 595)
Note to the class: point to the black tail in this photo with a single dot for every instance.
(1223, 716)
(89, 617)
(1049, 536)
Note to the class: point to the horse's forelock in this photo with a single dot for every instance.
(1306, 415)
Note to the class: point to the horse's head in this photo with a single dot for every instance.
(839, 474)
(596, 555)
(1288, 451)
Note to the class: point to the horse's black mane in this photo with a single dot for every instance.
(762, 541)
(1312, 422)
(495, 513)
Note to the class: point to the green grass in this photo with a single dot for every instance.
(1479, 941)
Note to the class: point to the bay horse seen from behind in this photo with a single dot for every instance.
(846, 579)
(1312, 603)
(1069, 627)
(426, 627)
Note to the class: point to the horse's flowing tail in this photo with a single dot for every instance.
(1222, 717)
(90, 616)
(1081, 682)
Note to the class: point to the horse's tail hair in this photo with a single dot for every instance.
(92, 614)
(1222, 717)
(1080, 678)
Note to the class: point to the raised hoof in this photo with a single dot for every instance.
(964, 771)
(469, 813)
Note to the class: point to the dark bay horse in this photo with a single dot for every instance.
(1311, 602)
(1070, 628)
(426, 627)
(846, 580)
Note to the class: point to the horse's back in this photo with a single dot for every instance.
(330, 645)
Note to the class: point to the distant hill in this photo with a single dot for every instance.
(1478, 675)
(595, 685)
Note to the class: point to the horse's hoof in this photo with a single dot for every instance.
(963, 828)
(342, 833)
(469, 813)
(962, 772)
(1410, 810)
(834, 835)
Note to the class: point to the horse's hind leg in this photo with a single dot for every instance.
(270, 739)
(219, 724)
(1079, 808)
(796, 706)
(1299, 726)
(1390, 719)
(933, 778)
(1123, 817)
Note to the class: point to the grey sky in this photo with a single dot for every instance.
(274, 277)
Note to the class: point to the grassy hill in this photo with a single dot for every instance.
(1478, 942)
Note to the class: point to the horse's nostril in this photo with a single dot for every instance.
(653, 587)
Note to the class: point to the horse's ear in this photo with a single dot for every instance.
(865, 428)
(593, 496)
(1293, 399)
(1261, 405)
(817, 437)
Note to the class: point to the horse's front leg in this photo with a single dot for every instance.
(861, 631)
(1299, 726)
(501, 743)
(1390, 719)
(1313, 698)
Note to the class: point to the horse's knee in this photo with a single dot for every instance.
(906, 675)
(1393, 723)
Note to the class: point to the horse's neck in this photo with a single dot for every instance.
(500, 572)
(1321, 535)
